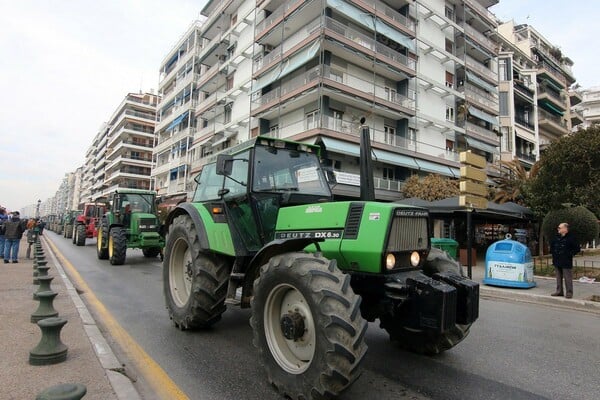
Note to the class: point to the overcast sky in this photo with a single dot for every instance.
(65, 65)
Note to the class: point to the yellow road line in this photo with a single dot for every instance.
(156, 377)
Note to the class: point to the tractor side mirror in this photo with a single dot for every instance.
(224, 164)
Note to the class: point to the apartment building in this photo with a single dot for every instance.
(588, 109)
(552, 111)
(422, 73)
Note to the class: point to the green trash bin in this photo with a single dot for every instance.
(450, 246)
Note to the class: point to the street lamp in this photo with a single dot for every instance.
(37, 209)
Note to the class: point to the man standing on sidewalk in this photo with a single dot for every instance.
(13, 232)
(3, 219)
(563, 248)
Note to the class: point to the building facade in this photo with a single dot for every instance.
(588, 109)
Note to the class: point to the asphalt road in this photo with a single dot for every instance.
(514, 351)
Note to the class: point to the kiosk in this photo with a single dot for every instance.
(509, 263)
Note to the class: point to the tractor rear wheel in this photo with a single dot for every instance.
(151, 252)
(307, 326)
(101, 244)
(194, 283)
(80, 235)
(117, 246)
(423, 342)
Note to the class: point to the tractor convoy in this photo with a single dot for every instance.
(263, 231)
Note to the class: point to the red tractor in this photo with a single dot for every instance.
(86, 224)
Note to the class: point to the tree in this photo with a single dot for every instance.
(432, 187)
(512, 181)
(582, 222)
(569, 173)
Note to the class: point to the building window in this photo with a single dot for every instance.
(504, 69)
(389, 134)
(449, 145)
(503, 99)
(388, 173)
(336, 117)
(227, 113)
(312, 119)
(229, 82)
(274, 131)
(391, 94)
(412, 136)
(233, 20)
(449, 11)
(449, 46)
(449, 113)
(449, 79)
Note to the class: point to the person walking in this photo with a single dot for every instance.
(3, 219)
(563, 248)
(13, 232)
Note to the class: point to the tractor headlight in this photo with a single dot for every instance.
(390, 261)
(415, 258)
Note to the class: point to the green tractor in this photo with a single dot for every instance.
(69, 221)
(131, 222)
(263, 231)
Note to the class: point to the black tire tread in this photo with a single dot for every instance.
(119, 240)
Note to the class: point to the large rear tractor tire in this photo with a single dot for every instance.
(307, 326)
(80, 235)
(423, 342)
(117, 246)
(101, 244)
(151, 252)
(194, 283)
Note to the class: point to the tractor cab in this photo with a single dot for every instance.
(253, 184)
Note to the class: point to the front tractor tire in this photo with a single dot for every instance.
(117, 246)
(194, 283)
(423, 342)
(307, 326)
(80, 235)
(101, 244)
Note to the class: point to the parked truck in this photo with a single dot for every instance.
(262, 231)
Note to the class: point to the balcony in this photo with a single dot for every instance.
(264, 26)
(388, 14)
(525, 121)
(481, 69)
(166, 141)
(525, 90)
(550, 96)
(481, 39)
(552, 123)
(480, 132)
(483, 12)
(575, 97)
(480, 97)
(545, 68)
(576, 117)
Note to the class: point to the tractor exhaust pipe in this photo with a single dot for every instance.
(367, 186)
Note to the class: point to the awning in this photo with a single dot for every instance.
(177, 120)
(371, 22)
(352, 149)
(481, 83)
(548, 106)
(477, 144)
(431, 167)
(288, 65)
(483, 115)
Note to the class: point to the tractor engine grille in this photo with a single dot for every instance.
(148, 225)
(409, 231)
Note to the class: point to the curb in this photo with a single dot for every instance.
(122, 386)
(559, 302)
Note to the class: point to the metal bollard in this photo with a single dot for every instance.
(45, 309)
(44, 285)
(50, 349)
(41, 271)
(64, 391)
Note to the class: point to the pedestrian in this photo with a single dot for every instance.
(3, 219)
(32, 235)
(41, 225)
(13, 232)
(563, 248)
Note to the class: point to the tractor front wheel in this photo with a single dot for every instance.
(101, 245)
(194, 283)
(80, 235)
(423, 342)
(117, 246)
(307, 326)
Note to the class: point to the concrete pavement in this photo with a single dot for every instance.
(91, 361)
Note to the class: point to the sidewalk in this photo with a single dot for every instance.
(582, 292)
(90, 361)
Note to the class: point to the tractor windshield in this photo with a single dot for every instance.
(138, 203)
(285, 170)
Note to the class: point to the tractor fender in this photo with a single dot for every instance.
(275, 247)
(189, 209)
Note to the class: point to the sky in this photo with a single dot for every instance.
(66, 65)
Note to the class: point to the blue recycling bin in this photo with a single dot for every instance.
(509, 263)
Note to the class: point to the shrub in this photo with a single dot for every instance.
(582, 222)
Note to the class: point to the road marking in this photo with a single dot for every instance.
(156, 377)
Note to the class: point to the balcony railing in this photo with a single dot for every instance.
(390, 13)
(369, 43)
(481, 69)
(520, 119)
(543, 114)
(480, 96)
(270, 20)
(560, 98)
(471, 127)
(480, 38)
(481, 9)
(554, 72)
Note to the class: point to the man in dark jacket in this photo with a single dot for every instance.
(13, 232)
(563, 248)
